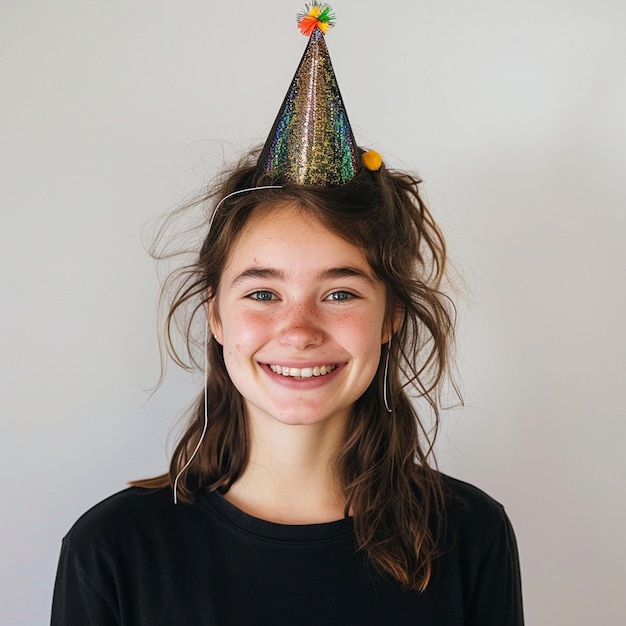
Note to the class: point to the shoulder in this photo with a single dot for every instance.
(481, 556)
(473, 514)
(122, 514)
(466, 498)
(474, 518)
(133, 501)
(116, 556)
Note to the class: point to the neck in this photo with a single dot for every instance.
(291, 476)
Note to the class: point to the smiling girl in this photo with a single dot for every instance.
(303, 491)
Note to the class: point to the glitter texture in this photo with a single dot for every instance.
(311, 142)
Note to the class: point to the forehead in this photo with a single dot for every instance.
(288, 228)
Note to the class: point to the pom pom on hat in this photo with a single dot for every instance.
(315, 15)
(372, 160)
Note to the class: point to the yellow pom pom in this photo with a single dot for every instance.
(372, 160)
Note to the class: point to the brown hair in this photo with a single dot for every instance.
(392, 489)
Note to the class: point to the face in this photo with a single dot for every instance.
(300, 316)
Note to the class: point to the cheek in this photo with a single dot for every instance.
(363, 333)
(243, 330)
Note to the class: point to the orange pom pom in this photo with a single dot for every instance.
(372, 160)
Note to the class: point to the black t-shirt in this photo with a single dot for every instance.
(138, 559)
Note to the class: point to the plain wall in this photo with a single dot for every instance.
(513, 113)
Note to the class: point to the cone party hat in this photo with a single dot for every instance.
(311, 141)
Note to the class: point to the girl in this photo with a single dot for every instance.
(303, 491)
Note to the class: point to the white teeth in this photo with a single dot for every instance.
(305, 372)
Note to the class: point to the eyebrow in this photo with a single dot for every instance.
(271, 273)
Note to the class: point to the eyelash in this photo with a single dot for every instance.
(346, 295)
(255, 295)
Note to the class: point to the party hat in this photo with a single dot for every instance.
(311, 141)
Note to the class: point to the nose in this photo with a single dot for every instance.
(301, 329)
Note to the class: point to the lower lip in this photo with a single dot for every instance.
(312, 382)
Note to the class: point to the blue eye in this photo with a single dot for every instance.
(263, 296)
(340, 296)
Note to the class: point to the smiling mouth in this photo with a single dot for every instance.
(304, 372)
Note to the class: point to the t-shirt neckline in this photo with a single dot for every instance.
(272, 530)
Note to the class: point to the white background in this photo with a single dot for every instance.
(514, 112)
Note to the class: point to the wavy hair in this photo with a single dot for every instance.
(386, 464)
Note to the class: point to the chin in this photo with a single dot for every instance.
(308, 416)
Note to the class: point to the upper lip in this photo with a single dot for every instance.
(301, 365)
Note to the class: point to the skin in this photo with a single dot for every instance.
(295, 295)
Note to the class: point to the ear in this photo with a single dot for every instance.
(396, 320)
(214, 319)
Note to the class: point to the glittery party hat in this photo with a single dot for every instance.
(311, 142)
